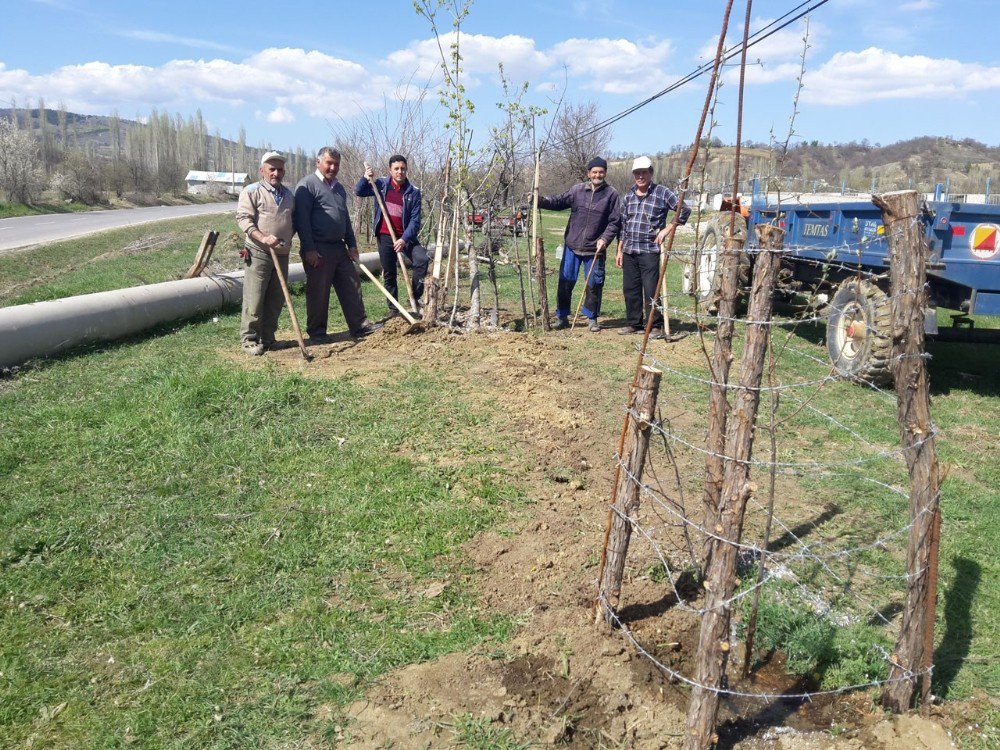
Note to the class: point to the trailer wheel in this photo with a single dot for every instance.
(858, 332)
(704, 276)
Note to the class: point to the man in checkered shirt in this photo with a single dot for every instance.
(644, 228)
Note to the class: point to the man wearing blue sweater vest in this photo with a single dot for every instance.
(329, 249)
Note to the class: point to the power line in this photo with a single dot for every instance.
(760, 35)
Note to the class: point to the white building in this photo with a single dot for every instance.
(201, 183)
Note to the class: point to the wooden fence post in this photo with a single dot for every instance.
(722, 357)
(907, 273)
(543, 295)
(720, 578)
(628, 492)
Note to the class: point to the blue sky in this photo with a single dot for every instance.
(292, 72)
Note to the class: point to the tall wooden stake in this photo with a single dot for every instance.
(718, 405)
(538, 244)
(432, 285)
(720, 578)
(907, 272)
(452, 251)
(628, 495)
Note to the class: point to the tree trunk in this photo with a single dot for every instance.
(718, 408)
(627, 494)
(720, 578)
(543, 296)
(914, 649)
(475, 290)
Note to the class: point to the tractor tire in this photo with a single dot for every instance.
(703, 277)
(858, 332)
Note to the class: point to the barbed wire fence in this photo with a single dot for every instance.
(813, 453)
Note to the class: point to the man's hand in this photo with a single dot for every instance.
(369, 174)
(619, 257)
(311, 257)
(601, 244)
(664, 233)
(399, 245)
(271, 241)
(352, 253)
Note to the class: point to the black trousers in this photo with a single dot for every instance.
(336, 270)
(416, 254)
(640, 273)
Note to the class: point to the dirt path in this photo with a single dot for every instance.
(562, 680)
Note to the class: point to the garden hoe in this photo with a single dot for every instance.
(291, 309)
(586, 286)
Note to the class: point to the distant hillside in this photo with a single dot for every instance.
(917, 163)
(93, 133)
(86, 156)
(965, 165)
(80, 130)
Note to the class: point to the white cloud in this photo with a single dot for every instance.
(481, 55)
(874, 74)
(615, 66)
(280, 115)
(289, 83)
(918, 5)
(310, 81)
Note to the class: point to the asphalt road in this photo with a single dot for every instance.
(24, 231)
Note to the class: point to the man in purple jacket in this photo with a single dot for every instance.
(594, 223)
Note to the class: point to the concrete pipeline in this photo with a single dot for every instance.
(42, 329)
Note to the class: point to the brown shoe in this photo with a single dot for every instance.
(627, 330)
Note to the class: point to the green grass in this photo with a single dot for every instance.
(190, 561)
(10, 210)
(482, 734)
(112, 260)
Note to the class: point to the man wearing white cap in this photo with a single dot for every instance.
(265, 214)
(644, 227)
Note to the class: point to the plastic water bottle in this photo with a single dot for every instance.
(559, 251)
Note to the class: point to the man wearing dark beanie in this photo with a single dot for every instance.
(594, 223)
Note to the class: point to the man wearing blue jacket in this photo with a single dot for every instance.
(594, 223)
(402, 201)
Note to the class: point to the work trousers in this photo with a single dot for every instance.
(640, 272)
(416, 254)
(262, 297)
(336, 270)
(569, 271)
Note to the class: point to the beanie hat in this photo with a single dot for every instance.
(597, 161)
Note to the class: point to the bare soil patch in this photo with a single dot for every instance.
(562, 680)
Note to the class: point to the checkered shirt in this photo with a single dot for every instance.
(643, 218)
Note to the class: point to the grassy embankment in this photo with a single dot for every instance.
(11, 210)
